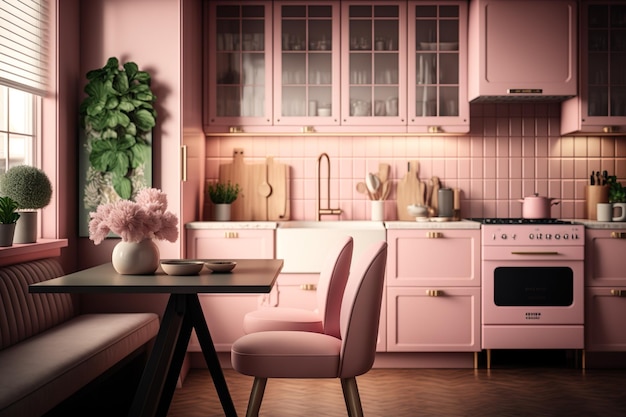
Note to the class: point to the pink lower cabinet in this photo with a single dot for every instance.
(433, 290)
(423, 319)
(605, 290)
(224, 313)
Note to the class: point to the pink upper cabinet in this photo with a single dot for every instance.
(522, 49)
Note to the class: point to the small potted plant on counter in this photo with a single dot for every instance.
(31, 189)
(8, 219)
(222, 195)
(617, 193)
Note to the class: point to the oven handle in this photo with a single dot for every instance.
(534, 253)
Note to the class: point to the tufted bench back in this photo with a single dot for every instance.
(23, 315)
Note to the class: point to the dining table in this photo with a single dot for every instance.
(182, 314)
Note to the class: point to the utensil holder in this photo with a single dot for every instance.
(378, 210)
(595, 194)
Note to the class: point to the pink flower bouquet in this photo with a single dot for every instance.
(134, 221)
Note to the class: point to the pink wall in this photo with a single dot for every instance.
(512, 151)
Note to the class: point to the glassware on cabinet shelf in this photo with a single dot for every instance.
(436, 60)
(306, 59)
(374, 74)
(240, 61)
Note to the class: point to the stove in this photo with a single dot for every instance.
(532, 290)
(519, 221)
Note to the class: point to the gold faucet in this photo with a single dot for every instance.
(324, 211)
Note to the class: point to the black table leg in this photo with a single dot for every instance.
(151, 384)
(210, 355)
(177, 362)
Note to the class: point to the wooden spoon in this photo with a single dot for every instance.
(362, 188)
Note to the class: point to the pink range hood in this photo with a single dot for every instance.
(522, 50)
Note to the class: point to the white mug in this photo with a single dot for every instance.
(604, 212)
(622, 211)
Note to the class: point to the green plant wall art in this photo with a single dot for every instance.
(116, 119)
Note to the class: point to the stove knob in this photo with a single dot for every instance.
(548, 236)
(493, 236)
(539, 236)
(565, 236)
(531, 236)
(557, 236)
(503, 236)
(513, 236)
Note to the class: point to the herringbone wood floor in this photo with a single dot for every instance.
(535, 392)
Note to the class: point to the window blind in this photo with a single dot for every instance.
(24, 44)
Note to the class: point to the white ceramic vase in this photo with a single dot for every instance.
(131, 258)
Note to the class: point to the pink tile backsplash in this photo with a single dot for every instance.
(512, 151)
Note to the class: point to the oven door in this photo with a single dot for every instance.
(533, 287)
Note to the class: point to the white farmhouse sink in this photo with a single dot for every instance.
(304, 245)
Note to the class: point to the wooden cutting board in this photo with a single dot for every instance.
(264, 188)
(278, 200)
(410, 191)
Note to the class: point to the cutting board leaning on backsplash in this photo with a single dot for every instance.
(410, 190)
(264, 188)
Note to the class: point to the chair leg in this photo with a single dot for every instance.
(256, 396)
(351, 396)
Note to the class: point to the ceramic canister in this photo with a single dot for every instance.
(446, 202)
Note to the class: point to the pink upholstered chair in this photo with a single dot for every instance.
(292, 354)
(330, 288)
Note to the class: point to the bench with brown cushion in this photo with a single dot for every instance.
(48, 351)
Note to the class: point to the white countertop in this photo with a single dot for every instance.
(461, 224)
(232, 225)
(593, 224)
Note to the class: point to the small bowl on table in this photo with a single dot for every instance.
(221, 266)
(181, 266)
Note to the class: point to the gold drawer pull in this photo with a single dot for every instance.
(308, 129)
(434, 293)
(434, 235)
(618, 293)
(235, 129)
(231, 235)
(308, 287)
(618, 235)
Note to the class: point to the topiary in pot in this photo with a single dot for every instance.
(31, 189)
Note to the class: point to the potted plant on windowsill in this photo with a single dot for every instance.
(8, 219)
(31, 189)
(222, 195)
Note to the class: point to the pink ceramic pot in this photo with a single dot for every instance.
(537, 207)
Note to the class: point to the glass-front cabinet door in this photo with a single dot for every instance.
(601, 106)
(437, 61)
(373, 73)
(306, 63)
(239, 63)
(606, 60)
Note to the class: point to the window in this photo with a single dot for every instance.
(23, 61)
(18, 128)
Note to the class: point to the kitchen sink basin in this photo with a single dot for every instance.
(304, 245)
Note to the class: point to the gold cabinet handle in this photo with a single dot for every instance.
(434, 235)
(183, 163)
(308, 287)
(231, 235)
(610, 129)
(235, 129)
(435, 129)
(618, 293)
(618, 235)
(308, 129)
(434, 293)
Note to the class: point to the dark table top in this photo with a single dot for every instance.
(249, 276)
